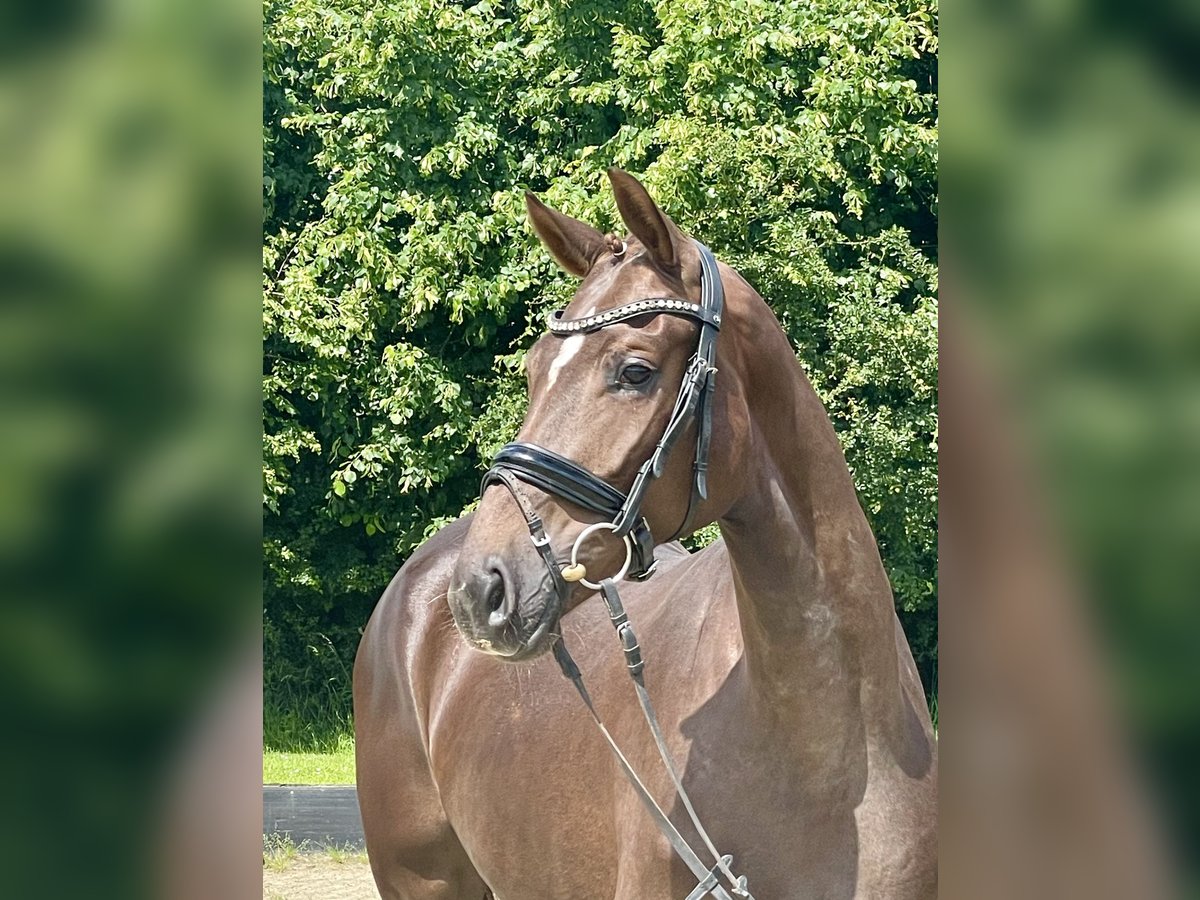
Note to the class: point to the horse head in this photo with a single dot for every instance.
(601, 397)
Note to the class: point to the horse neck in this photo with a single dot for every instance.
(814, 602)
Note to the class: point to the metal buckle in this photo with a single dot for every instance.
(704, 888)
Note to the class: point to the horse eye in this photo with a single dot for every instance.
(635, 373)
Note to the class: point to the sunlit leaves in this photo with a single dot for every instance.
(402, 285)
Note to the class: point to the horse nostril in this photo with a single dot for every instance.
(495, 596)
(493, 591)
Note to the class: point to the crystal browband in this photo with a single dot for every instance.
(559, 325)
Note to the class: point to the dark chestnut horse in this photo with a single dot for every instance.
(782, 679)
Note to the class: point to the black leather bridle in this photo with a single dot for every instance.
(557, 475)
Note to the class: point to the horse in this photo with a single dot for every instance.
(784, 686)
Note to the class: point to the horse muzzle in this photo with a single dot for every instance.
(510, 610)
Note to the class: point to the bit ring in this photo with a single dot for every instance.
(587, 532)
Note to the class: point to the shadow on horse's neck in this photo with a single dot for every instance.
(814, 601)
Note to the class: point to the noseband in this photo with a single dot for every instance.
(557, 475)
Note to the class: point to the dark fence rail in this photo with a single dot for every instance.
(313, 816)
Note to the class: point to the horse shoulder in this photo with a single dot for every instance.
(411, 845)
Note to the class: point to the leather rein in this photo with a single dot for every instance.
(555, 474)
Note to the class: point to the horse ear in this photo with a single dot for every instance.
(643, 218)
(574, 244)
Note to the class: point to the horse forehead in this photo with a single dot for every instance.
(607, 286)
(612, 284)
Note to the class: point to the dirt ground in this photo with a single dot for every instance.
(318, 877)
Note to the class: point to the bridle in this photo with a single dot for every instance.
(555, 474)
(546, 470)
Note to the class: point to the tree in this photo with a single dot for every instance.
(402, 286)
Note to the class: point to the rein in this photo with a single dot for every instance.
(555, 474)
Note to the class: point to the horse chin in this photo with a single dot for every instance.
(542, 638)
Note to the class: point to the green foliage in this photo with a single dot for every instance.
(402, 284)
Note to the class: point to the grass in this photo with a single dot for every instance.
(308, 721)
(333, 764)
(308, 737)
(280, 852)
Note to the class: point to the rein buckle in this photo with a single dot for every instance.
(712, 880)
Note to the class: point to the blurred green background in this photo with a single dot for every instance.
(402, 284)
(129, 418)
(1072, 191)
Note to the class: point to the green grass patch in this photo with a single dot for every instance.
(279, 852)
(332, 766)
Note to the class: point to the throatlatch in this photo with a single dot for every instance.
(555, 474)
